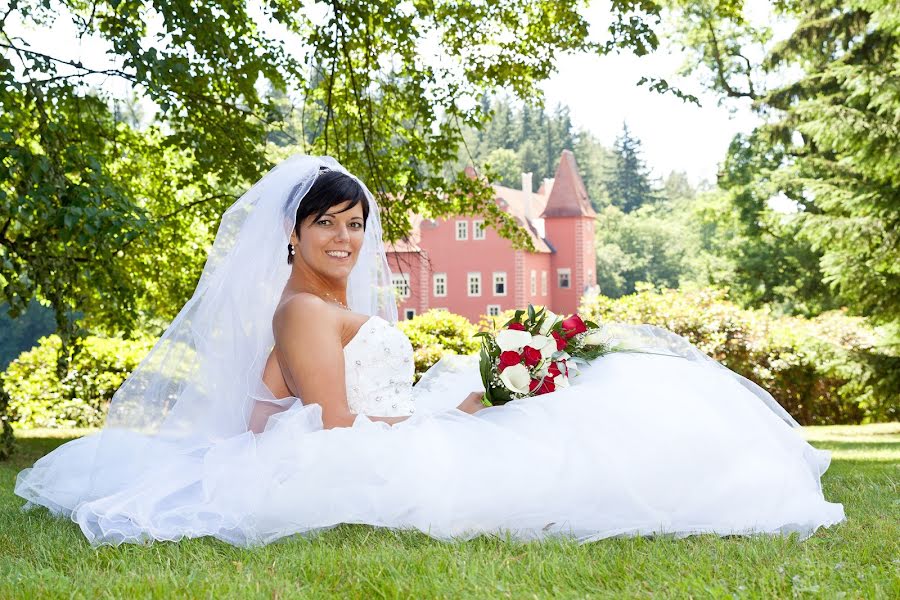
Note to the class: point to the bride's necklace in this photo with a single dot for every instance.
(328, 297)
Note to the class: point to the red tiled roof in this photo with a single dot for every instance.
(568, 196)
(563, 196)
(515, 205)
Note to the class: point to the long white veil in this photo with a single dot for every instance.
(199, 382)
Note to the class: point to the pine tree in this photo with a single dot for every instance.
(628, 180)
(833, 129)
(847, 163)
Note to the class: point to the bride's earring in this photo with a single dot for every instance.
(291, 254)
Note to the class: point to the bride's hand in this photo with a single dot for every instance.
(472, 404)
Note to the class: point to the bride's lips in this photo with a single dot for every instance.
(340, 258)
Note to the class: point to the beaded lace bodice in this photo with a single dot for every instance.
(378, 366)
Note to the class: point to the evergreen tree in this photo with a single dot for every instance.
(628, 179)
(536, 136)
(594, 160)
(832, 132)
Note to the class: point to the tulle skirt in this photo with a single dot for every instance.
(640, 444)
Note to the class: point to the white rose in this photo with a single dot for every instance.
(547, 345)
(561, 381)
(594, 338)
(516, 378)
(550, 320)
(512, 339)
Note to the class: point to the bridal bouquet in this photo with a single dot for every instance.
(536, 354)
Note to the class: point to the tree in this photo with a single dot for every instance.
(831, 131)
(21, 334)
(640, 246)
(505, 164)
(111, 219)
(594, 160)
(537, 137)
(628, 179)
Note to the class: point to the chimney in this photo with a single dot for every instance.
(528, 189)
(547, 185)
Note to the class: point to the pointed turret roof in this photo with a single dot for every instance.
(568, 196)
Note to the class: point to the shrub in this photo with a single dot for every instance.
(39, 399)
(7, 441)
(438, 332)
(823, 370)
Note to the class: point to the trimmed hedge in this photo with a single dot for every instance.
(37, 397)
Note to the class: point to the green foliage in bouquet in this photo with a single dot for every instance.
(826, 370)
(436, 333)
(39, 398)
(532, 353)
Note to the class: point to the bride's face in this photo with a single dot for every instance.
(330, 244)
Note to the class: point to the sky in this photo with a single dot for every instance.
(600, 91)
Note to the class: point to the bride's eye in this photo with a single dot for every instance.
(323, 222)
(356, 224)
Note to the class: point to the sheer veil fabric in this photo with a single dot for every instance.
(201, 377)
(176, 459)
(198, 383)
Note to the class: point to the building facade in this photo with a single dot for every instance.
(460, 265)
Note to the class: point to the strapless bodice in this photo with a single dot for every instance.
(378, 366)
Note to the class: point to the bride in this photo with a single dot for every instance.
(280, 401)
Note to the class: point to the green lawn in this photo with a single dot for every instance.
(41, 556)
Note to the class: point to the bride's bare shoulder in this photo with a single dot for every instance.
(302, 311)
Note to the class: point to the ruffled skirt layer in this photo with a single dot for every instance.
(638, 445)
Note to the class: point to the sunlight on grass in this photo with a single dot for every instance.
(63, 433)
(875, 442)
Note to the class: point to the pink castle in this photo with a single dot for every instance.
(460, 265)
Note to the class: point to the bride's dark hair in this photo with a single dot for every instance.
(329, 189)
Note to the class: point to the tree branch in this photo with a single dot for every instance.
(720, 68)
(194, 203)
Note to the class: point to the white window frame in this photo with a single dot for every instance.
(409, 313)
(495, 307)
(533, 282)
(543, 283)
(559, 275)
(478, 229)
(401, 279)
(500, 277)
(436, 280)
(473, 278)
(462, 233)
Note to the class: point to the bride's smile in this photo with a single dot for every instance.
(328, 244)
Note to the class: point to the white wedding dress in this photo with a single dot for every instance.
(639, 444)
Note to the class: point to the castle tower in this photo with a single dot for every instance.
(569, 225)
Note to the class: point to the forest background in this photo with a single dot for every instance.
(405, 94)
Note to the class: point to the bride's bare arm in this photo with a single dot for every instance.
(308, 343)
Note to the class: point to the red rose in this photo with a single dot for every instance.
(516, 326)
(508, 359)
(553, 370)
(573, 326)
(538, 387)
(532, 356)
(561, 342)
